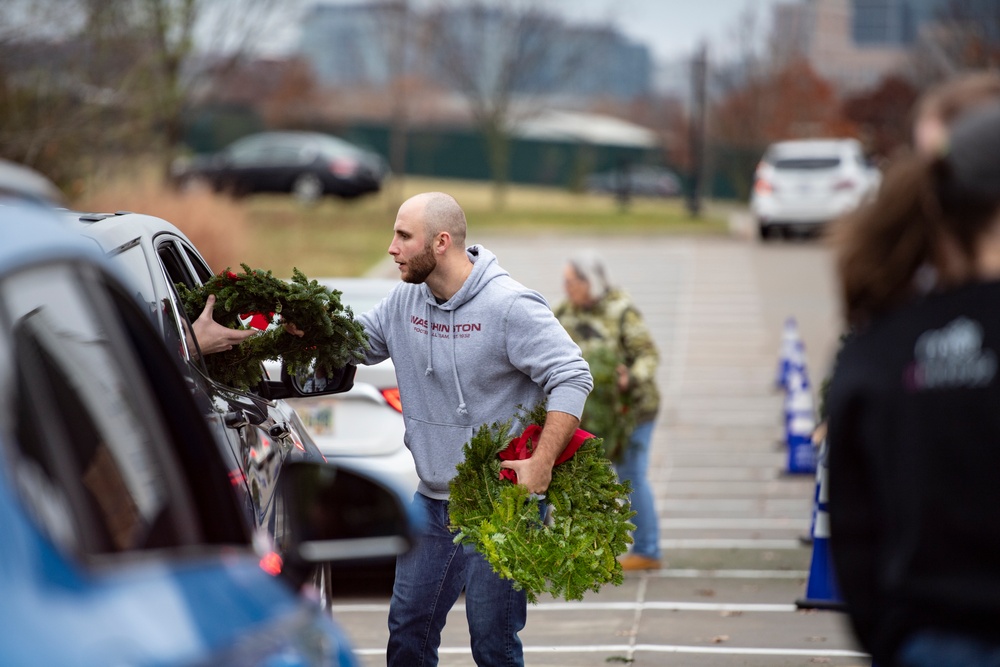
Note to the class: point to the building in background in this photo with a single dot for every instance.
(892, 22)
(823, 32)
(353, 45)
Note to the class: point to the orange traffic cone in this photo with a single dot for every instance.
(821, 588)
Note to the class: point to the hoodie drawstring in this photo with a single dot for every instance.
(454, 357)
(454, 367)
(430, 336)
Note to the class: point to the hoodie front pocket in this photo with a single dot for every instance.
(437, 450)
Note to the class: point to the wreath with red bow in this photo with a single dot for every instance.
(575, 548)
(332, 337)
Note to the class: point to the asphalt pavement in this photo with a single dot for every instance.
(731, 517)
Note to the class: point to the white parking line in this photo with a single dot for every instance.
(728, 574)
(729, 544)
(656, 648)
(602, 606)
(749, 523)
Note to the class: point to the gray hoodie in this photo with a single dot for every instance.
(493, 346)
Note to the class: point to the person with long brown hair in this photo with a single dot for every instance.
(914, 406)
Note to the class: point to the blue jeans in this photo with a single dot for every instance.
(634, 467)
(430, 578)
(939, 648)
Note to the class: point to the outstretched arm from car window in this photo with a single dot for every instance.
(213, 337)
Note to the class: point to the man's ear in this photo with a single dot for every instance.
(442, 241)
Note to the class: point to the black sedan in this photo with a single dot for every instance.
(306, 164)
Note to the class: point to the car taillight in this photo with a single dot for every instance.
(845, 184)
(391, 397)
(762, 186)
(343, 167)
(271, 563)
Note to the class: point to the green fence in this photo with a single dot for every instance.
(448, 152)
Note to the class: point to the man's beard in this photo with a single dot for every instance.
(418, 268)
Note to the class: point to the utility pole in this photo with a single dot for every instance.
(699, 72)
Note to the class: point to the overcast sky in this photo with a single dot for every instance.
(672, 29)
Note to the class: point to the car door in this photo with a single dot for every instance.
(260, 438)
(285, 163)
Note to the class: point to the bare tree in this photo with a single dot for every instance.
(229, 30)
(86, 78)
(500, 56)
(741, 103)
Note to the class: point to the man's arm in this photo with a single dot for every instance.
(536, 472)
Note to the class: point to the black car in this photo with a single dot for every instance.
(306, 164)
(259, 433)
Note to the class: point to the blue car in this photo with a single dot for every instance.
(122, 541)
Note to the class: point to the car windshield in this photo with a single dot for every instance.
(806, 163)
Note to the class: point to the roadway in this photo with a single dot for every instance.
(730, 517)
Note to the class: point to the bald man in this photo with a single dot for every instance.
(469, 344)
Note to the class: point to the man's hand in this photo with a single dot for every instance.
(533, 473)
(212, 337)
(536, 472)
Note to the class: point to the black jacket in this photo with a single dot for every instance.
(914, 445)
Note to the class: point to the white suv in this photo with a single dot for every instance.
(800, 185)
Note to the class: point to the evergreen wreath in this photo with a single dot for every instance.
(608, 411)
(332, 339)
(576, 551)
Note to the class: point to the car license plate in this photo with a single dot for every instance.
(318, 418)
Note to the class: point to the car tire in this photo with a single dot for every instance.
(765, 231)
(307, 188)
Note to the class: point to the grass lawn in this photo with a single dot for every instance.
(347, 238)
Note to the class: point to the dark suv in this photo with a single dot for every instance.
(259, 433)
(306, 164)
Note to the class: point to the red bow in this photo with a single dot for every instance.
(259, 321)
(519, 448)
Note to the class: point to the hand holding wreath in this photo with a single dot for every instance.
(330, 336)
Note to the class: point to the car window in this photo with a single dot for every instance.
(182, 265)
(806, 163)
(248, 151)
(336, 147)
(91, 459)
(176, 325)
(201, 270)
(284, 154)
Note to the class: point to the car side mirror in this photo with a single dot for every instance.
(337, 515)
(314, 381)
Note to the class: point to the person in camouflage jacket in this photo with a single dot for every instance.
(622, 408)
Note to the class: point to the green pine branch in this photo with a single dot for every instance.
(333, 338)
(608, 411)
